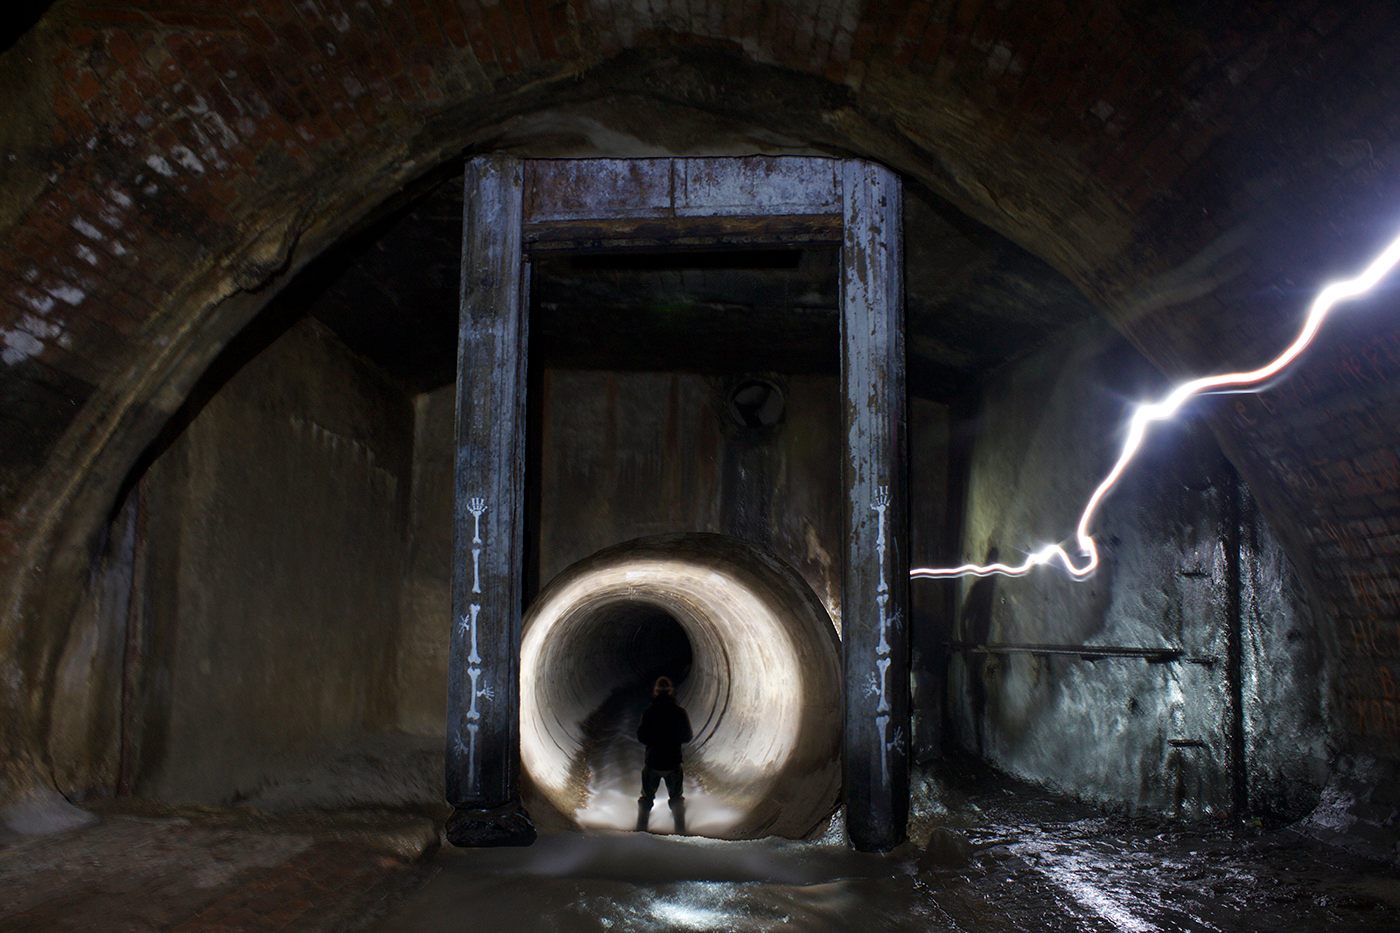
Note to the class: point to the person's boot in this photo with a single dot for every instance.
(643, 815)
(678, 814)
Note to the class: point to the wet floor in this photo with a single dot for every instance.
(1000, 856)
(1004, 856)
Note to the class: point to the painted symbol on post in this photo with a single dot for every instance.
(478, 692)
(477, 507)
(475, 672)
(878, 505)
(474, 778)
(884, 667)
(879, 680)
(882, 601)
(473, 658)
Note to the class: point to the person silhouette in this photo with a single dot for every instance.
(664, 729)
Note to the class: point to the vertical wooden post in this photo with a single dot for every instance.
(875, 580)
(483, 730)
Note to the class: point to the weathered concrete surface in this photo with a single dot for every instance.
(488, 504)
(931, 543)
(87, 723)
(625, 455)
(426, 602)
(275, 536)
(1124, 731)
(161, 868)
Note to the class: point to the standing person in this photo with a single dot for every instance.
(665, 728)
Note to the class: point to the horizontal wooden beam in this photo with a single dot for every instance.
(634, 233)
(618, 195)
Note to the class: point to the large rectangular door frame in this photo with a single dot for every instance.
(515, 208)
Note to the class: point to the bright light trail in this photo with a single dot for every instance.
(1147, 414)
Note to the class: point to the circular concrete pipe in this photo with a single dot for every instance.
(756, 662)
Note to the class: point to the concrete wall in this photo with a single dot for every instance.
(275, 529)
(624, 455)
(1125, 731)
(427, 584)
(931, 605)
(86, 722)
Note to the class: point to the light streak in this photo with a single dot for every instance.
(1149, 413)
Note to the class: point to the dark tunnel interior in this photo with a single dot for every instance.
(631, 645)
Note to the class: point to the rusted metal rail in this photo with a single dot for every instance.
(1087, 652)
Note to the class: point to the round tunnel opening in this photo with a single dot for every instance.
(755, 660)
(632, 644)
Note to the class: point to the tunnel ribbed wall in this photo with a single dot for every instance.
(763, 690)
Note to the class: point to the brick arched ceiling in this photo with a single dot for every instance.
(1194, 168)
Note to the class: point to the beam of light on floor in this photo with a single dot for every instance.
(1149, 413)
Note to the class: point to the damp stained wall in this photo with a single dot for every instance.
(1124, 731)
(273, 553)
(624, 455)
(931, 606)
(427, 582)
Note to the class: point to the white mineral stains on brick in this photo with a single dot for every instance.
(38, 327)
(188, 159)
(215, 123)
(17, 345)
(87, 229)
(1000, 59)
(39, 302)
(160, 165)
(26, 339)
(67, 293)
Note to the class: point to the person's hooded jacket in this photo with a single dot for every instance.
(665, 728)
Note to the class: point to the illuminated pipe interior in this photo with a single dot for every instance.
(756, 662)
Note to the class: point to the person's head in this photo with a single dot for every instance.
(663, 688)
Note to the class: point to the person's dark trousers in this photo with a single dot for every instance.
(651, 780)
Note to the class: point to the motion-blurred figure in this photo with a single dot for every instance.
(665, 728)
